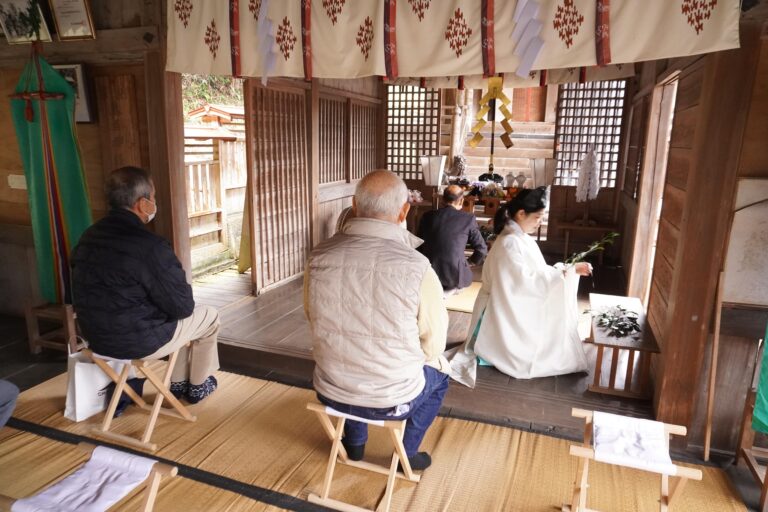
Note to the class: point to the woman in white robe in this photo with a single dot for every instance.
(525, 317)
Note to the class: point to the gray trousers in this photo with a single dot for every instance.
(8, 394)
(200, 360)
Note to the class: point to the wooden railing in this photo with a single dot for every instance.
(204, 203)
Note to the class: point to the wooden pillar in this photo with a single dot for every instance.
(725, 97)
(313, 157)
(165, 119)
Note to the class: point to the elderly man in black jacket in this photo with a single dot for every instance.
(131, 294)
(446, 233)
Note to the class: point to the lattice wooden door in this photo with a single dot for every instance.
(278, 155)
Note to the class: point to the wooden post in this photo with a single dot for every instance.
(713, 368)
(313, 157)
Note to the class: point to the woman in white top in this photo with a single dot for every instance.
(525, 317)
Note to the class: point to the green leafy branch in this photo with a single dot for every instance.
(618, 321)
(600, 245)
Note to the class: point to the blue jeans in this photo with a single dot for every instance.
(420, 413)
(8, 394)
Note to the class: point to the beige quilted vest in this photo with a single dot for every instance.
(364, 286)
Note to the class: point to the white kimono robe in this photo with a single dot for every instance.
(527, 312)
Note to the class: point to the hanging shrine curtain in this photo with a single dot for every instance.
(441, 39)
(43, 116)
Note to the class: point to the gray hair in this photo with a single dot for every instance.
(380, 195)
(127, 185)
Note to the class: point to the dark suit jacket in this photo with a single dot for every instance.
(446, 233)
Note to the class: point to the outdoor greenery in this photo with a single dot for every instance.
(197, 90)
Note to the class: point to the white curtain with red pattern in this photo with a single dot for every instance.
(438, 41)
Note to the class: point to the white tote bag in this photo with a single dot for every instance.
(87, 386)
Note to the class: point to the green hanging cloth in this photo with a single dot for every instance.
(760, 414)
(43, 116)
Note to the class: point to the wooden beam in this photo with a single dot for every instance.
(334, 191)
(113, 45)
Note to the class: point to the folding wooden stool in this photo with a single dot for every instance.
(163, 392)
(396, 431)
(95, 485)
(587, 452)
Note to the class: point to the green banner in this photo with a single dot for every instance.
(760, 415)
(43, 115)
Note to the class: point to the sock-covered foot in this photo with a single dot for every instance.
(197, 392)
(418, 462)
(354, 452)
(179, 389)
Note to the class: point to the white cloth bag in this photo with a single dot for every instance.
(87, 386)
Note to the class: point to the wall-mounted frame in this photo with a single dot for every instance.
(73, 73)
(73, 19)
(15, 21)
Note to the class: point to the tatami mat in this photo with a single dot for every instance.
(464, 301)
(260, 433)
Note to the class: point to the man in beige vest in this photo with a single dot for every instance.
(378, 321)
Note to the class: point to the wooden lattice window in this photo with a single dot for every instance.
(363, 138)
(413, 118)
(333, 134)
(589, 113)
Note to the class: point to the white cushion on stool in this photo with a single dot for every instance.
(107, 477)
(631, 442)
(333, 412)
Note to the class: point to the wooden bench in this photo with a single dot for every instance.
(639, 347)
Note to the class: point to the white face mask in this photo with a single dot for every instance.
(151, 216)
(404, 225)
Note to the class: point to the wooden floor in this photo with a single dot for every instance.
(268, 337)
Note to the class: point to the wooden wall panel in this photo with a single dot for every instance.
(328, 214)
(281, 183)
(662, 277)
(754, 156)
(674, 204)
(119, 121)
(684, 127)
(678, 167)
(666, 243)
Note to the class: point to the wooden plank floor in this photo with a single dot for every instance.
(268, 337)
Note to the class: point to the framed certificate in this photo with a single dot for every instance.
(73, 19)
(17, 19)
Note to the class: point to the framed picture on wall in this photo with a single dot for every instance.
(18, 18)
(73, 73)
(73, 19)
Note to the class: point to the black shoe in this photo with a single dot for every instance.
(354, 452)
(418, 462)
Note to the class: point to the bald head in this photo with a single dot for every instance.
(381, 195)
(453, 195)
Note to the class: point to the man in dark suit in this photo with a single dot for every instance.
(446, 232)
